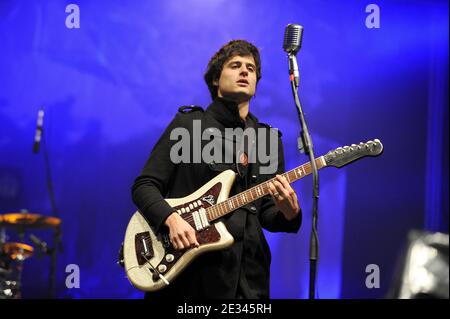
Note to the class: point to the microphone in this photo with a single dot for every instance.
(292, 38)
(38, 134)
(292, 43)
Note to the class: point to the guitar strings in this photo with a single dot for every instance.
(220, 209)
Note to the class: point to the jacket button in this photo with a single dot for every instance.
(254, 177)
(253, 209)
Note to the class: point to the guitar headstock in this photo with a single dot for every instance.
(344, 155)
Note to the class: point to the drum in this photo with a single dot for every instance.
(11, 257)
(9, 289)
(13, 254)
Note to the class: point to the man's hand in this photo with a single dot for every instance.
(181, 235)
(285, 197)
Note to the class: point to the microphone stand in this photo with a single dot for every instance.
(305, 145)
(50, 188)
(57, 232)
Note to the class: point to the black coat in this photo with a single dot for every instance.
(244, 267)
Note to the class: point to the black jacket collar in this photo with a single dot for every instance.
(227, 113)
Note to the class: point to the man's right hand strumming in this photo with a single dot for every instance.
(181, 234)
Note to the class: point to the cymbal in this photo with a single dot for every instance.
(17, 251)
(25, 220)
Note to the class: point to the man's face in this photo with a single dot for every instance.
(237, 81)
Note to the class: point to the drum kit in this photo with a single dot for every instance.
(13, 254)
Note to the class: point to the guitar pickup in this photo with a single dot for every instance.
(165, 240)
(143, 246)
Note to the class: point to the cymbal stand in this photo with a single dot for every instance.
(53, 255)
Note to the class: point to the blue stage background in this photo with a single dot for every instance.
(110, 87)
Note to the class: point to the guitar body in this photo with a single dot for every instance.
(145, 251)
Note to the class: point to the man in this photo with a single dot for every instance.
(242, 270)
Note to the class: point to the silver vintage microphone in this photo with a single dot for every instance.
(291, 45)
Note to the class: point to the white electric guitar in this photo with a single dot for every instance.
(150, 260)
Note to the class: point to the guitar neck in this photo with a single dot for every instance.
(260, 190)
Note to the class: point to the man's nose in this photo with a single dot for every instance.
(244, 71)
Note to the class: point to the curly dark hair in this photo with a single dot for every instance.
(229, 50)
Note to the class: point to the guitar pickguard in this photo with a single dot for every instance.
(209, 235)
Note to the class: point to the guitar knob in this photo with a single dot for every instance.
(162, 268)
(169, 258)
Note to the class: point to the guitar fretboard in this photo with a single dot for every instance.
(260, 190)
